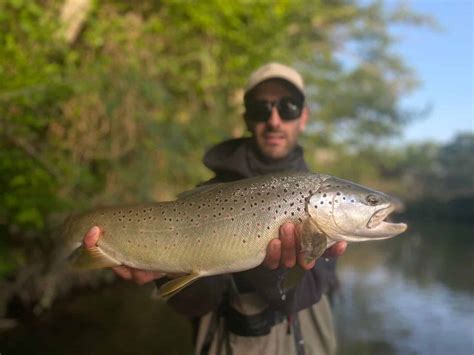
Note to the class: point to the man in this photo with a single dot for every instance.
(253, 311)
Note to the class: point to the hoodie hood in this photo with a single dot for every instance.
(239, 158)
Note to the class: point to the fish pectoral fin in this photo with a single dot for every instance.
(313, 241)
(91, 258)
(173, 286)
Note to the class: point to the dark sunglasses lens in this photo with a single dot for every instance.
(288, 109)
(258, 111)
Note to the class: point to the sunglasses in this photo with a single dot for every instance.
(260, 111)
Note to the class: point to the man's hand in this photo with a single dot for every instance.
(285, 251)
(139, 276)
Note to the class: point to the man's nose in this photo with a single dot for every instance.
(275, 119)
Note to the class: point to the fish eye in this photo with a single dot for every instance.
(372, 200)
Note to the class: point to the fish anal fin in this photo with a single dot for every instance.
(172, 287)
(91, 258)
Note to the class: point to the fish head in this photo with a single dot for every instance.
(345, 211)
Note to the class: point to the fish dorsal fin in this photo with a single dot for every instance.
(91, 258)
(173, 286)
(198, 190)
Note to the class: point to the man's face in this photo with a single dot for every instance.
(275, 137)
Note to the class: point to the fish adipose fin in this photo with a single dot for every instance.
(172, 287)
(91, 258)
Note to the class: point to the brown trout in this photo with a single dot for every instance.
(226, 227)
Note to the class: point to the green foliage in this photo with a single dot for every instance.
(125, 111)
(457, 163)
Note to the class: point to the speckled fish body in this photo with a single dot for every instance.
(227, 227)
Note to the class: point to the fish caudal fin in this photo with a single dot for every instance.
(91, 258)
(172, 287)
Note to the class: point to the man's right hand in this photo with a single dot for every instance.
(285, 251)
(138, 276)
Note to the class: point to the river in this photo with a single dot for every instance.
(413, 294)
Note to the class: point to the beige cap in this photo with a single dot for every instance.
(275, 71)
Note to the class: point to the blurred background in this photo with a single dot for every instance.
(107, 102)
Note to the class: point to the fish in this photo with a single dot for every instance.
(226, 227)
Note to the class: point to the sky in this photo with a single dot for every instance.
(443, 60)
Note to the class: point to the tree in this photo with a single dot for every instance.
(123, 112)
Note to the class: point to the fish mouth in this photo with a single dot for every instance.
(377, 221)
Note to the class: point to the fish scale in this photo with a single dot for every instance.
(215, 229)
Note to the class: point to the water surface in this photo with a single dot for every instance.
(413, 294)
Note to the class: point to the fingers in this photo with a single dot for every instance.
(272, 259)
(301, 257)
(123, 271)
(282, 251)
(92, 237)
(288, 245)
(336, 250)
(140, 277)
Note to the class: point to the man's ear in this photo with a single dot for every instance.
(304, 118)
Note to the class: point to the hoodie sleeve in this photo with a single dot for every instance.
(199, 298)
(270, 285)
